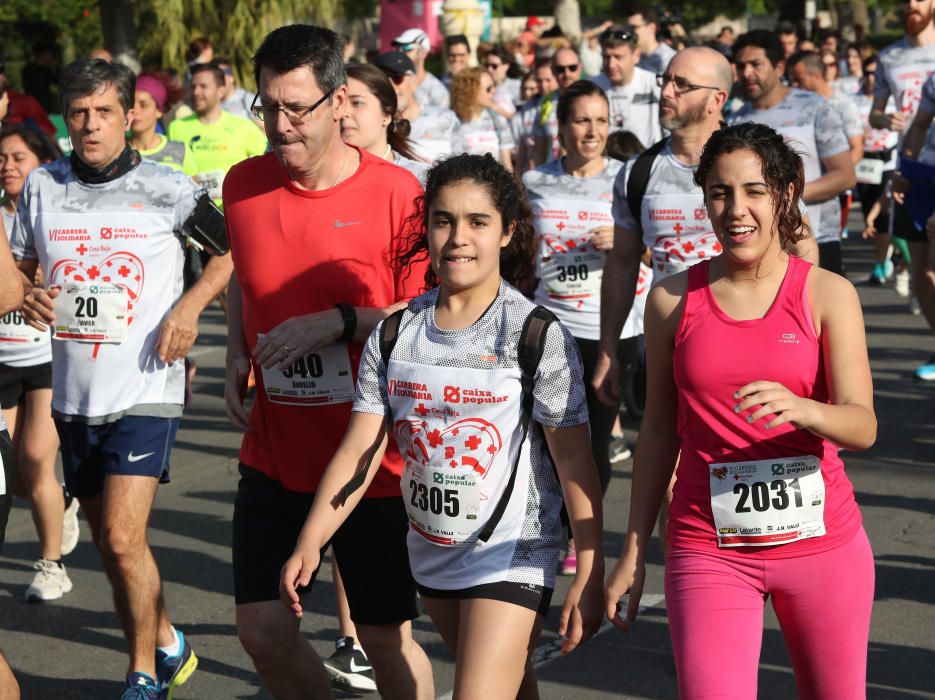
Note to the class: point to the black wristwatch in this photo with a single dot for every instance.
(349, 316)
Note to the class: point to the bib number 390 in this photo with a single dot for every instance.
(767, 502)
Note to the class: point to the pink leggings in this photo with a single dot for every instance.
(823, 601)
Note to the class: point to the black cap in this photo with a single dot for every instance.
(395, 63)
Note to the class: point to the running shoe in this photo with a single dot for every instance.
(70, 528)
(51, 581)
(927, 371)
(618, 450)
(914, 307)
(140, 686)
(902, 283)
(877, 276)
(570, 562)
(173, 671)
(349, 667)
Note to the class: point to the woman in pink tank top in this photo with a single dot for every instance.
(758, 373)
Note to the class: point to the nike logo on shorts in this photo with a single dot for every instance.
(136, 458)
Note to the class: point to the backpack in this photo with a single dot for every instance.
(639, 179)
(529, 353)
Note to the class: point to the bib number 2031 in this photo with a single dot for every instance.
(762, 496)
(432, 499)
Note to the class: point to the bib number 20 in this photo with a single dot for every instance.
(87, 308)
(760, 497)
(434, 499)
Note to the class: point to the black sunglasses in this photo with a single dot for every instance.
(570, 68)
(618, 35)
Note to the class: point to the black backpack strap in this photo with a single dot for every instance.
(389, 333)
(529, 352)
(639, 179)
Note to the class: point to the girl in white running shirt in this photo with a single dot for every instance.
(483, 496)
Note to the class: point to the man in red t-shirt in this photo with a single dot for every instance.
(314, 227)
(22, 108)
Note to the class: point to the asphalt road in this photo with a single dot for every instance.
(73, 648)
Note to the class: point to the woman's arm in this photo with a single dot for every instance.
(657, 447)
(571, 450)
(364, 440)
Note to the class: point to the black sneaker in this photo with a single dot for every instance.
(350, 668)
(618, 450)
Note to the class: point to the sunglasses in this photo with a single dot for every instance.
(492, 66)
(570, 68)
(395, 78)
(617, 35)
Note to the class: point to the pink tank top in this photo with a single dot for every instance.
(714, 356)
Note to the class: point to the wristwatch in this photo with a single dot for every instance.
(349, 316)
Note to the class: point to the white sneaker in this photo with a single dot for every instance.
(70, 528)
(50, 583)
(901, 285)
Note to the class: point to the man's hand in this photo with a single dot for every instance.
(39, 307)
(177, 333)
(895, 121)
(297, 336)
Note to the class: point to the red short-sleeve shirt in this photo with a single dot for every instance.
(296, 252)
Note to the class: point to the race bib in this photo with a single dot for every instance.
(91, 313)
(481, 142)
(213, 181)
(768, 501)
(569, 265)
(443, 504)
(14, 329)
(318, 378)
(870, 171)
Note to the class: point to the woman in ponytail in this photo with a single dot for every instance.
(370, 122)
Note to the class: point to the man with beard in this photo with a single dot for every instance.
(808, 120)
(902, 70)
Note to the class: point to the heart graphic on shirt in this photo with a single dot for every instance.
(469, 442)
(122, 269)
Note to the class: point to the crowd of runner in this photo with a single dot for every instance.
(430, 384)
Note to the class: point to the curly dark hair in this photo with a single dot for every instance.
(782, 166)
(517, 260)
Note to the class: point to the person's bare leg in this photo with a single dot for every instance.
(37, 443)
(400, 667)
(285, 660)
(9, 688)
(923, 279)
(118, 518)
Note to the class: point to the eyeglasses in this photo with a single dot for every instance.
(617, 35)
(570, 68)
(492, 66)
(396, 78)
(296, 114)
(681, 85)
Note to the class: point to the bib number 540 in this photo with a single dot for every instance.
(759, 496)
(434, 499)
(305, 367)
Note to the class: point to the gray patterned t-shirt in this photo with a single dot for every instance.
(432, 93)
(634, 107)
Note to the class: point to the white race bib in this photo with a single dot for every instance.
(319, 378)
(91, 313)
(213, 180)
(443, 504)
(569, 265)
(768, 501)
(14, 329)
(870, 171)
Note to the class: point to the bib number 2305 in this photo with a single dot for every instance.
(767, 502)
(442, 504)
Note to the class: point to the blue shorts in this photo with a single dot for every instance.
(130, 446)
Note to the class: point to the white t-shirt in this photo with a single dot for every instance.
(432, 93)
(454, 401)
(657, 61)
(901, 72)
(812, 127)
(21, 345)
(121, 234)
(431, 133)
(507, 94)
(565, 208)
(876, 140)
(634, 107)
(488, 133)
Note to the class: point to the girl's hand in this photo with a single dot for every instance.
(581, 614)
(628, 577)
(602, 237)
(773, 398)
(297, 572)
(870, 231)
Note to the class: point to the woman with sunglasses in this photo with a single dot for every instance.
(480, 129)
(26, 388)
(571, 205)
(370, 122)
(506, 96)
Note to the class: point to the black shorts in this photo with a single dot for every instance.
(525, 595)
(16, 382)
(903, 227)
(6, 498)
(370, 547)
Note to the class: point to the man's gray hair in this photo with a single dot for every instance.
(88, 75)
